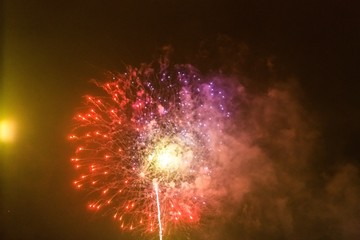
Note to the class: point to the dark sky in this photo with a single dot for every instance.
(51, 49)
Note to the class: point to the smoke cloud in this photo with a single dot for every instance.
(270, 179)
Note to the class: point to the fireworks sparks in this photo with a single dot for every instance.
(150, 141)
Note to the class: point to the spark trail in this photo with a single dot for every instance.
(148, 125)
(156, 188)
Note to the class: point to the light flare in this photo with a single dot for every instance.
(7, 131)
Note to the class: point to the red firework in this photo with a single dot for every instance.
(149, 129)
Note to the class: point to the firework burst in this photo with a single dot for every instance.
(149, 142)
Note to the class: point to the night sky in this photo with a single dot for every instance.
(52, 49)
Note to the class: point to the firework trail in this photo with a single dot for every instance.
(156, 188)
(151, 140)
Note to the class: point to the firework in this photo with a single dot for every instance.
(149, 143)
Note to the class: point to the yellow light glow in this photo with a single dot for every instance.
(169, 157)
(7, 131)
